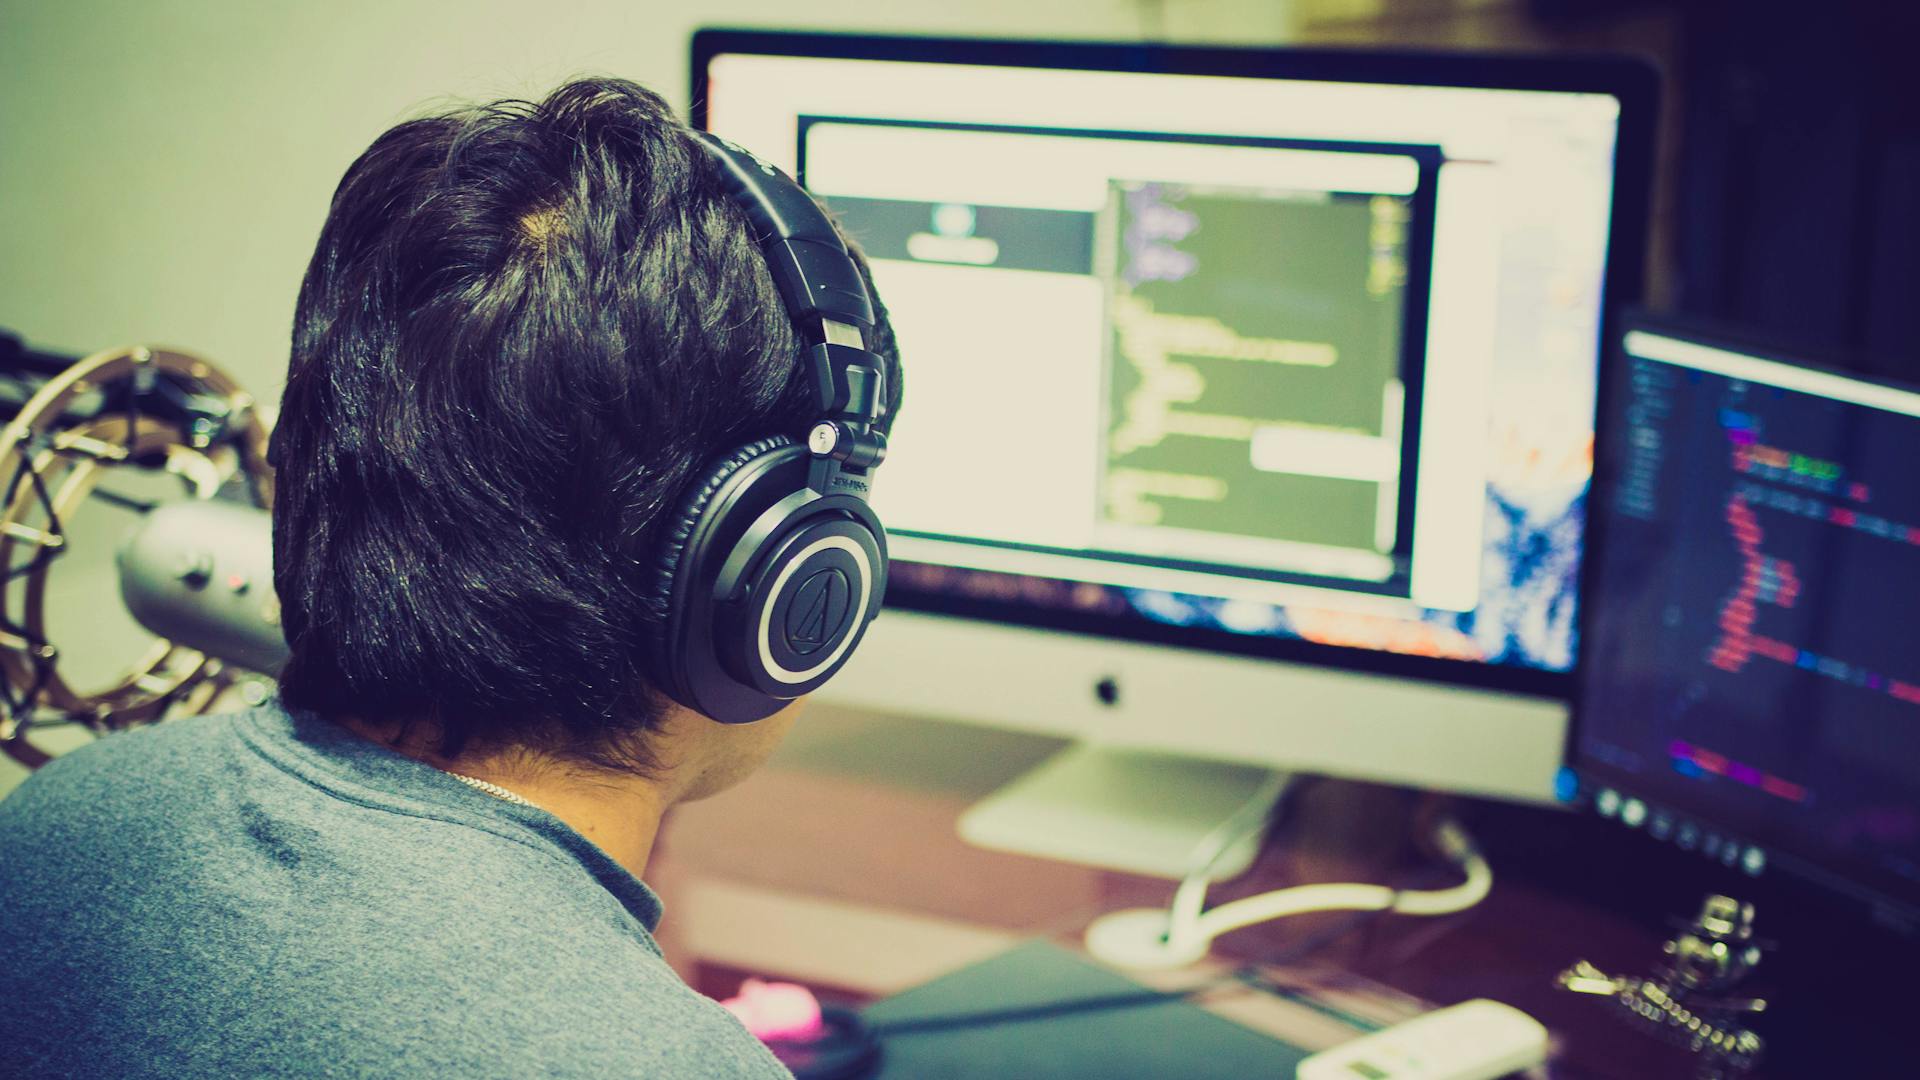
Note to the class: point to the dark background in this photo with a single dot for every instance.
(1792, 209)
(1789, 160)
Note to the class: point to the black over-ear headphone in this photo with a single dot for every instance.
(774, 564)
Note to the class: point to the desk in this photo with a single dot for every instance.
(838, 866)
(969, 1025)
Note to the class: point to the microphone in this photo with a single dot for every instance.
(200, 573)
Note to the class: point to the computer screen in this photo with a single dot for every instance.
(1751, 685)
(1276, 348)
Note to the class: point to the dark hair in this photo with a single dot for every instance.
(525, 327)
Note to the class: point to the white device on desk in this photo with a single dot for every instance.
(1474, 1040)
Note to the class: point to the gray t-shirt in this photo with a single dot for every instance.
(267, 894)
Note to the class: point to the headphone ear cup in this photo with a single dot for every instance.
(810, 593)
(672, 562)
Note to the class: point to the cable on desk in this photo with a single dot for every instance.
(1452, 841)
(1248, 977)
(1249, 820)
(1258, 980)
(1155, 938)
(1048, 1010)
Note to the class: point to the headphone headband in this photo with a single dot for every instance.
(815, 275)
(826, 297)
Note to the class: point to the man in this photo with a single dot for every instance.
(525, 329)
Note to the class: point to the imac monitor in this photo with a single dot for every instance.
(1249, 393)
(1751, 689)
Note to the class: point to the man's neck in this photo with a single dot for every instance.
(619, 812)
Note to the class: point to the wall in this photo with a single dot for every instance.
(165, 166)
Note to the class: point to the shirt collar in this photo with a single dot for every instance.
(360, 770)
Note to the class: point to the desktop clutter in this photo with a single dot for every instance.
(1411, 492)
(1686, 1001)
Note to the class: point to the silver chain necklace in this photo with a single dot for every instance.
(494, 790)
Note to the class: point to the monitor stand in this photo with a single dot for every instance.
(1138, 811)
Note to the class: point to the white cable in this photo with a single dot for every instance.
(1304, 898)
(1189, 932)
(1191, 898)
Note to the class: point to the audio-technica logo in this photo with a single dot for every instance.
(818, 611)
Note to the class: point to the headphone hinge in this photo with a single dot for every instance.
(826, 476)
(846, 382)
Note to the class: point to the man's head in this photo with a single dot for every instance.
(525, 327)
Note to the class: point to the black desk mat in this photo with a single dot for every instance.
(1157, 1041)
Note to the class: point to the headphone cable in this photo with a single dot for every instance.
(1248, 976)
